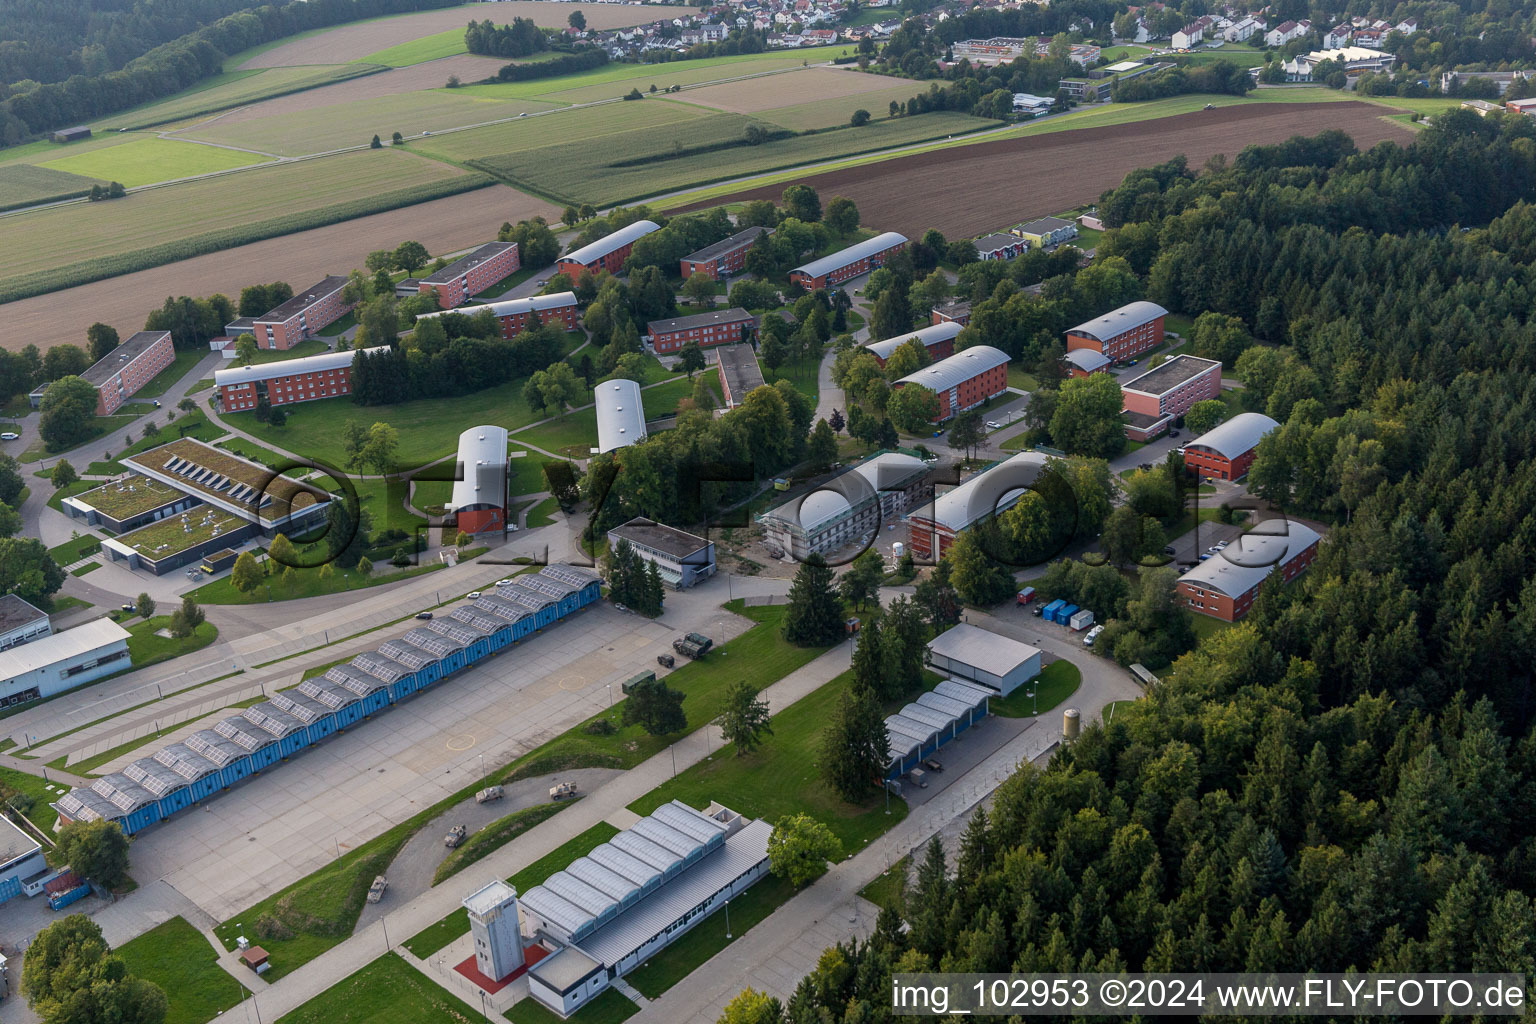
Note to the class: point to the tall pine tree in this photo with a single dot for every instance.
(814, 617)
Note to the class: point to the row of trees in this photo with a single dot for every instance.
(455, 354)
(633, 581)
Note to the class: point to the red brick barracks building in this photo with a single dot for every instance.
(1225, 452)
(300, 317)
(964, 380)
(464, 278)
(607, 253)
(939, 340)
(1224, 586)
(1159, 396)
(328, 375)
(516, 315)
(721, 327)
(1122, 334)
(121, 372)
(860, 258)
(727, 256)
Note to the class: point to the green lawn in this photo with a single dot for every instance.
(1057, 681)
(435, 936)
(307, 583)
(307, 347)
(1020, 378)
(1119, 707)
(145, 648)
(433, 47)
(255, 453)
(494, 836)
(206, 384)
(781, 777)
(1207, 625)
(705, 939)
(543, 514)
(191, 424)
(387, 991)
(178, 958)
(610, 1007)
(179, 368)
(76, 548)
(35, 789)
(573, 434)
(885, 891)
(233, 88)
(87, 567)
(149, 160)
(338, 328)
(23, 184)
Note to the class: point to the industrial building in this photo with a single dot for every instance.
(1082, 362)
(610, 910)
(517, 315)
(620, 414)
(1046, 232)
(51, 663)
(235, 499)
(21, 858)
(848, 507)
(919, 729)
(1226, 451)
(964, 380)
(934, 526)
(302, 316)
(951, 313)
(21, 622)
(327, 375)
(726, 257)
(1357, 60)
(210, 761)
(681, 558)
(470, 275)
(607, 253)
(706, 330)
(1121, 334)
(119, 374)
(1156, 398)
(979, 656)
(938, 339)
(846, 264)
(995, 50)
(1000, 246)
(1225, 585)
(479, 501)
(739, 373)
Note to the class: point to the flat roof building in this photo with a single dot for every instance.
(21, 858)
(952, 312)
(681, 558)
(607, 253)
(739, 373)
(49, 665)
(1227, 451)
(469, 275)
(1122, 333)
(716, 327)
(517, 315)
(935, 525)
(938, 339)
(119, 374)
(1225, 585)
(724, 258)
(479, 500)
(964, 380)
(846, 264)
(1166, 392)
(620, 414)
(21, 622)
(303, 316)
(849, 507)
(288, 381)
(998, 663)
(127, 504)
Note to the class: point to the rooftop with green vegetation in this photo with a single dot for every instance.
(202, 469)
(131, 496)
(180, 532)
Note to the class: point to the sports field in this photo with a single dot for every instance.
(148, 160)
(23, 184)
(60, 236)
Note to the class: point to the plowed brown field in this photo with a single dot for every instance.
(969, 190)
(443, 225)
(349, 42)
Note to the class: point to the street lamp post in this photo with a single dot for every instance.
(610, 695)
(482, 771)
(727, 920)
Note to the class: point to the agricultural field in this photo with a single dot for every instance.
(26, 184)
(796, 88)
(442, 225)
(47, 241)
(359, 40)
(1021, 173)
(353, 123)
(590, 123)
(145, 161)
(837, 110)
(231, 89)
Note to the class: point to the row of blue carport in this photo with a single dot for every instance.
(209, 761)
(919, 729)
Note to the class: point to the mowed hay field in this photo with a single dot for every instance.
(231, 89)
(590, 124)
(968, 190)
(797, 88)
(320, 130)
(24, 184)
(443, 225)
(145, 161)
(357, 41)
(47, 239)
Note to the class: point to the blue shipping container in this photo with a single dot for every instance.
(1064, 615)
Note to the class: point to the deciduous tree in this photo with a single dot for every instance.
(799, 848)
(745, 719)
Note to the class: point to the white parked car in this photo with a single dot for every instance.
(9, 435)
(994, 425)
(504, 582)
(474, 595)
(1222, 546)
(1093, 634)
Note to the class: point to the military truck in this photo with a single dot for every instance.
(455, 836)
(694, 645)
(376, 890)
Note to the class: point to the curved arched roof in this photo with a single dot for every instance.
(1118, 321)
(1238, 436)
(962, 366)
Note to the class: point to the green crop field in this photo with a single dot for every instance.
(233, 89)
(589, 123)
(583, 170)
(68, 245)
(26, 184)
(837, 110)
(301, 132)
(433, 47)
(146, 161)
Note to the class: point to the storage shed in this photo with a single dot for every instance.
(976, 655)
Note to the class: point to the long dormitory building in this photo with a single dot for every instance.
(517, 315)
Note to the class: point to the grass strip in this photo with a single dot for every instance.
(1056, 682)
(34, 790)
(494, 836)
(145, 648)
(610, 1007)
(387, 991)
(177, 957)
(887, 889)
